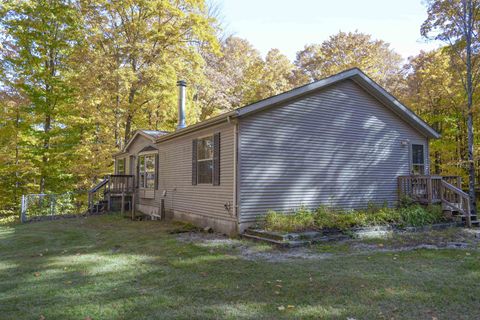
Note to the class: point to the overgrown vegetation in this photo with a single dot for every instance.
(107, 267)
(332, 218)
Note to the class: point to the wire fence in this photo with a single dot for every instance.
(37, 207)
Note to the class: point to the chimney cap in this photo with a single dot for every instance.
(182, 83)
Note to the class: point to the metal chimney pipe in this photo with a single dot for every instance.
(182, 85)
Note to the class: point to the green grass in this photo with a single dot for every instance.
(112, 268)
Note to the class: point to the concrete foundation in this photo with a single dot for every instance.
(227, 225)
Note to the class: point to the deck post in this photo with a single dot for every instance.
(133, 205)
(123, 204)
(429, 190)
(468, 218)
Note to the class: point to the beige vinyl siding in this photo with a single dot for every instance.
(135, 147)
(339, 146)
(176, 176)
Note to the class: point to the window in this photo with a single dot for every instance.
(205, 160)
(120, 163)
(146, 174)
(418, 159)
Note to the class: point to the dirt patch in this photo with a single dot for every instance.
(459, 239)
(249, 250)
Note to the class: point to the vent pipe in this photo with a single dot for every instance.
(182, 85)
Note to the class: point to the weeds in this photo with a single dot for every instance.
(330, 218)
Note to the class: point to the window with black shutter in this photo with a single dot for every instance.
(205, 160)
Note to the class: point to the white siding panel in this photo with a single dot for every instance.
(339, 147)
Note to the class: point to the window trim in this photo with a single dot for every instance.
(143, 182)
(210, 136)
(425, 158)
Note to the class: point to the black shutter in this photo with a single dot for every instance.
(138, 171)
(216, 159)
(157, 166)
(194, 162)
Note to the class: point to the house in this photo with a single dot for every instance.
(340, 141)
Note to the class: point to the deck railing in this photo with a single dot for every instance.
(119, 183)
(423, 189)
(436, 189)
(115, 184)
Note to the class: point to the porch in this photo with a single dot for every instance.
(113, 190)
(443, 190)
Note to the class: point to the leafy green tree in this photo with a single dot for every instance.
(348, 50)
(147, 45)
(39, 38)
(457, 22)
(278, 75)
(433, 90)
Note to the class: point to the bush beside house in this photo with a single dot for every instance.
(324, 218)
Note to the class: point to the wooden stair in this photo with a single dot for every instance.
(444, 190)
(113, 189)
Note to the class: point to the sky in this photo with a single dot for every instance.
(289, 25)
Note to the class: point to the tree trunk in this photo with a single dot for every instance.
(46, 147)
(471, 164)
(128, 123)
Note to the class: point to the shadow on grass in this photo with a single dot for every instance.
(112, 268)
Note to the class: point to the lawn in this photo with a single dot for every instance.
(111, 268)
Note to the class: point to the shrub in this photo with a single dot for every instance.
(300, 219)
(417, 215)
(330, 218)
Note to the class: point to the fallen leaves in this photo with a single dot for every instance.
(282, 307)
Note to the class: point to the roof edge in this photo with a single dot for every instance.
(200, 125)
(138, 132)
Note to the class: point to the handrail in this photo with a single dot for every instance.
(99, 185)
(457, 199)
(436, 189)
(447, 185)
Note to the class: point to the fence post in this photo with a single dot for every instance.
(52, 205)
(23, 209)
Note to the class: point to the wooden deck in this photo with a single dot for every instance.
(113, 187)
(444, 190)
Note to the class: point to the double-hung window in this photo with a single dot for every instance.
(120, 166)
(205, 160)
(418, 159)
(146, 174)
